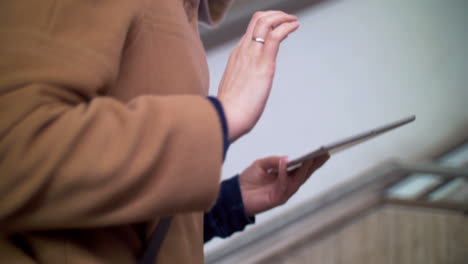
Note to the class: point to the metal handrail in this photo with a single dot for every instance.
(385, 175)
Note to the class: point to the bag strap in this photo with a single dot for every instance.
(152, 250)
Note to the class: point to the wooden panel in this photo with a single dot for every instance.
(392, 234)
(318, 216)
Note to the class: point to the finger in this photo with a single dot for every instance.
(247, 38)
(312, 165)
(300, 176)
(253, 22)
(305, 171)
(318, 162)
(276, 37)
(265, 25)
(256, 16)
(283, 177)
(268, 162)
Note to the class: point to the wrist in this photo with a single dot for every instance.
(235, 127)
(222, 118)
(246, 195)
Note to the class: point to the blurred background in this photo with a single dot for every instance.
(351, 66)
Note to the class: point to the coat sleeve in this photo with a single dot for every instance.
(70, 158)
(228, 214)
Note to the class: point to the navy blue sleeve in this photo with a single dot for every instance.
(228, 214)
(222, 118)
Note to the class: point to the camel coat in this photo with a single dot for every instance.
(104, 128)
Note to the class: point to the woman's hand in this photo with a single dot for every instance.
(248, 77)
(262, 190)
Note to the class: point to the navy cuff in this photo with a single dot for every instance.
(228, 215)
(222, 117)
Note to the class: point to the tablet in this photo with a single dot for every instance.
(346, 143)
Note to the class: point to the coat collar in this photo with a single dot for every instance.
(211, 12)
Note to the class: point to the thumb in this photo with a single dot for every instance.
(269, 162)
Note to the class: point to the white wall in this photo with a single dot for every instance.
(353, 65)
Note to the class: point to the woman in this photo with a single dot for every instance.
(105, 127)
